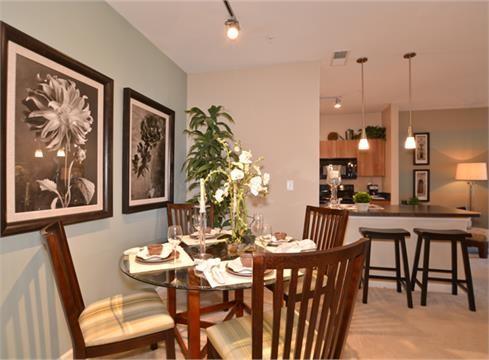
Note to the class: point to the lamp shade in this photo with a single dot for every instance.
(471, 171)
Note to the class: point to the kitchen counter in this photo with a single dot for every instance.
(432, 211)
(410, 217)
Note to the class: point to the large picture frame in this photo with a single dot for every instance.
(421, 184)
(421, 154)
(148, 155)
(56, 136)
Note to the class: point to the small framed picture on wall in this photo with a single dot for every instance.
(421, 155)
(421, 184)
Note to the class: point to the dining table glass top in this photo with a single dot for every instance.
(188, 278)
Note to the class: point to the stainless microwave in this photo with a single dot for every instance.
(346, 166)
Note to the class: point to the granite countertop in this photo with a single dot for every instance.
(416, 211)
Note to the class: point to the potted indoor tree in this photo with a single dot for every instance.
(362, 200)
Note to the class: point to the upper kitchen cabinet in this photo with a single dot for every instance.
(370, 162)
(333, 149)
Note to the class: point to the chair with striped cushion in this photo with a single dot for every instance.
(115, 324)
(326, 227)
(314, 326)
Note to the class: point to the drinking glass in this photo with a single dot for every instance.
(266, 235)
(174, 238)
(257, 225)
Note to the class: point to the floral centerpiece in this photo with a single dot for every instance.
(243, 177)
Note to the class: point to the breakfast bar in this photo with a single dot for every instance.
(409, 217)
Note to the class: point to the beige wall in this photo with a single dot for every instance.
(32, 323)
(459, 135)
(390, 182)
(276, 110)
(341, 122)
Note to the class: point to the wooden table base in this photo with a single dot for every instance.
(191, 318)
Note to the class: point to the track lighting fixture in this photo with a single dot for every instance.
(232, 24)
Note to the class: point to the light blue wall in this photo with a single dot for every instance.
(456, 136)
(32, 323)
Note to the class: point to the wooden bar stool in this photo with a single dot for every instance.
(398, 236)
(453, 236)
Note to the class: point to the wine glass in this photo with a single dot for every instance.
(266, 235)
(174, 238)
(257, 225)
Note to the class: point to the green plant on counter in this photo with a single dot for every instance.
(373, 132)
(413, 201)
(362, 197)
(208, 132)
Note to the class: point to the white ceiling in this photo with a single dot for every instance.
(450, 38)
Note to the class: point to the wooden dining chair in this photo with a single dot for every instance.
(111, 325)
(325, 226)
(181, 214)
(316, 326)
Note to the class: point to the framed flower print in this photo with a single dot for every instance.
(148, 146)
(56, 136)
(421, 154)
(421, 184)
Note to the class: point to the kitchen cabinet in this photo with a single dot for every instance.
(334, 149)
(369, 162)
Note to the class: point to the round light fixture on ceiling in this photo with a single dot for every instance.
(337, 103)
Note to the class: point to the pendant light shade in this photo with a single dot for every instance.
(410, 142)
(363, 143)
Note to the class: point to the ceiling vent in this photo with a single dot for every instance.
(339, 58)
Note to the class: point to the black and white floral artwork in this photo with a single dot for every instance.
(53, 138)
(148, 157)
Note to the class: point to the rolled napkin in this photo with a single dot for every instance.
(295, 247)
(144, 254)
(237, 266)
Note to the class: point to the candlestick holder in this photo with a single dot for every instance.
(200, 224)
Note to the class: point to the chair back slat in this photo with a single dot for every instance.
(317, 321)
(181, 214)
(56, 244)
(326, 227)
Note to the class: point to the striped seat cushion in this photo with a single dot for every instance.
(232, 339)
(123, 317)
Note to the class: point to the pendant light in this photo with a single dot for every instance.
(232, 24)
(363, 143)
(410, 143)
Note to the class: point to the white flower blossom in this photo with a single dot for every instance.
(266, 179)
(237, 174)
(245, 157)
(219, 195)
(255, 185)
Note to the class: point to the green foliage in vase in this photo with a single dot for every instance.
(207, 152)
(362, 197)
(373, 132)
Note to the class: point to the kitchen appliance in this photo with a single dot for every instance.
(345, 193)
(373, 189)
(347, 167)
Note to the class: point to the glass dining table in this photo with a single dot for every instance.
(194, 283)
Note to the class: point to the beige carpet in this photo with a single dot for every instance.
(386, 328)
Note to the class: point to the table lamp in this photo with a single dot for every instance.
(471, 172)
